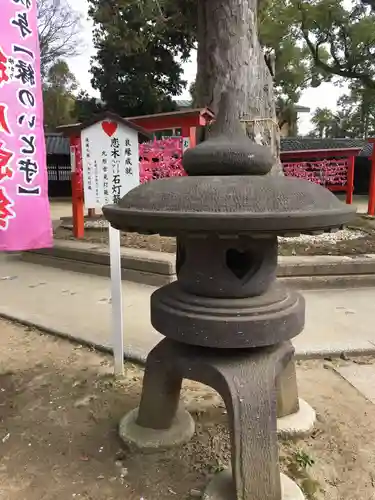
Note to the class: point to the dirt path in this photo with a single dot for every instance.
(60, 407)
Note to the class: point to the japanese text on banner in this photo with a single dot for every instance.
(24, 208)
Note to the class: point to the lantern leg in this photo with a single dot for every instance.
(248, 387)
(295, 417)
(161, 390)
(159, 422)
(287, 391)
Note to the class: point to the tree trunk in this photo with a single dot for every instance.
(231, 62)
(364, 116)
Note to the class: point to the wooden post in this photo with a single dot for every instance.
(371, 188)
(193, 136)
(77, 187)
(116, 298)
(350, 180)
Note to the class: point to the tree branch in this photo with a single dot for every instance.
(59, 31)
(337, 68)
(371, 3)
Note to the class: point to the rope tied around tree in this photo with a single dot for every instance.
(262, 130)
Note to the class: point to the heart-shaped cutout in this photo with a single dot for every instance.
(240, 263)
(109, 128)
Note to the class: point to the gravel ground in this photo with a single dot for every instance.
(333, 237)
(329, 238)
(358, 238)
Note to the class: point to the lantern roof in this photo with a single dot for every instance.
(234, 195)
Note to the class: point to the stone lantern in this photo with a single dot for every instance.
(227, 321)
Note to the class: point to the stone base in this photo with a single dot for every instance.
(181, 432)
(297, 425)
(222, 488)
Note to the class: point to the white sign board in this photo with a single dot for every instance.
(185, 144)
(110, 162)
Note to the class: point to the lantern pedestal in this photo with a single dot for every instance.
(179, 432)
(245, 379)
(295, 417)
(222, 488)
(297, 425)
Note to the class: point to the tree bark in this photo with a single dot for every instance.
(231, 63)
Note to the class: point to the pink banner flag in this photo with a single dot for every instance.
(25, 221)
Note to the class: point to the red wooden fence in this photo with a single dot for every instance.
(162, 158)
(335, 175)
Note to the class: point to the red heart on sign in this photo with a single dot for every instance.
(109, 128)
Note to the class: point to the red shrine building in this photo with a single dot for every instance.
(293, 151)
(340, 165)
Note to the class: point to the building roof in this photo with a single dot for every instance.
(367, 150)
(179, 113)
(75, 128)
(289, 144)
(57, 144)
(188, 103)
(184, 103)
(302, 109)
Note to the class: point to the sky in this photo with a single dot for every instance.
(325, 96)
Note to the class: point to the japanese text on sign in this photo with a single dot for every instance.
(110, 163)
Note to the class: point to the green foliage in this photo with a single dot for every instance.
(303, 460)
(294, 68)
(356, 112)
(354, 118)
(58, 96)
(141, 44)
(193, 92)
(137, 69)
(286, 114)
(298, 464)
(85, 107)
(323, 120)
(344, 29)
(371, 3)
